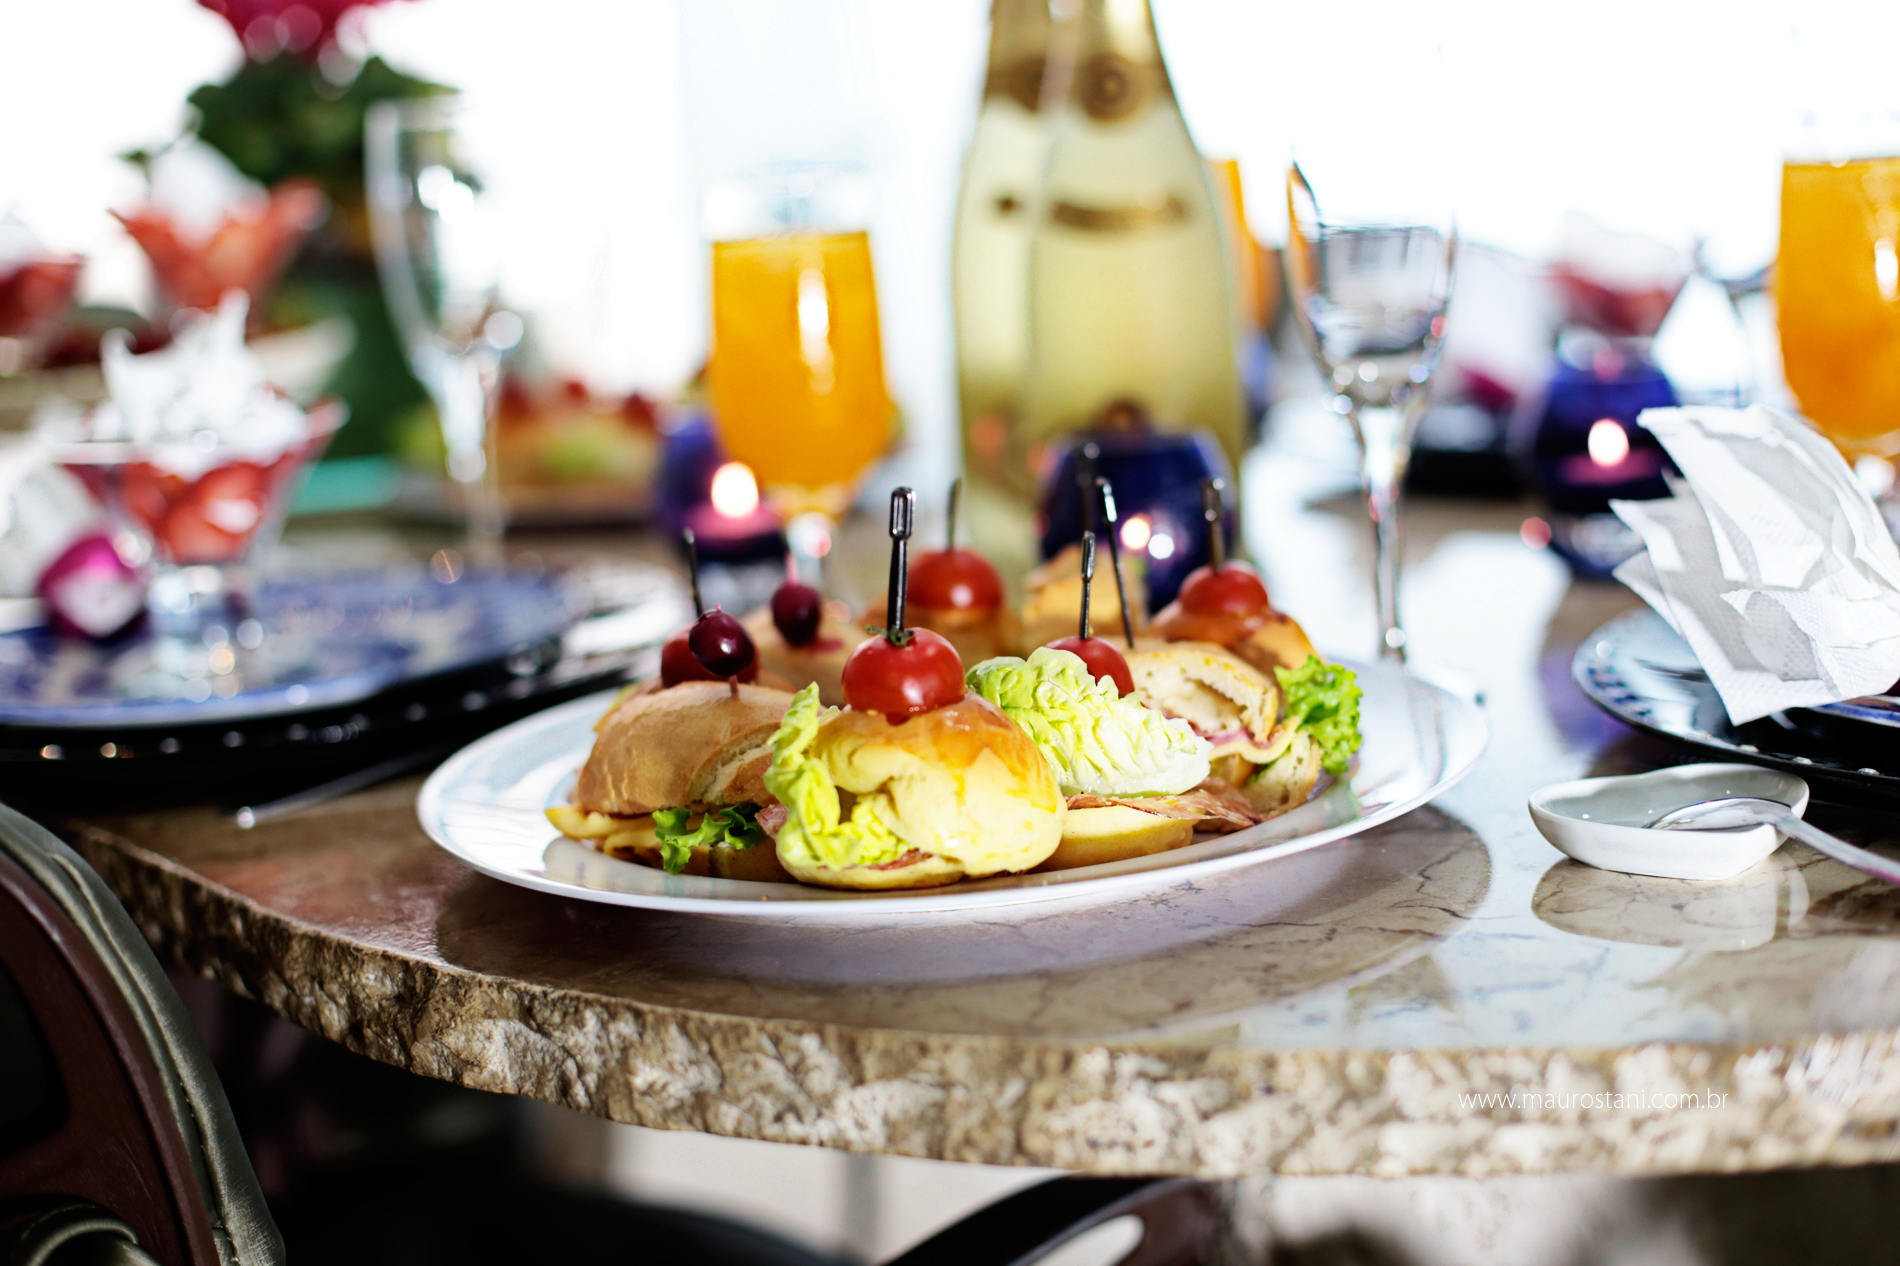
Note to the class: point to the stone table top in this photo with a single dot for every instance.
(1442, 995)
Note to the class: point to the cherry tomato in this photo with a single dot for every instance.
(1234, 590)
(721, 644)
(678, 663)
(955, 580)
(796, 610)
(901, 681)
(1104, 662)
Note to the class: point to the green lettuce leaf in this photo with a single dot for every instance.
(816, 829)
(1096, 742)
(1323, 700)
(735, 826)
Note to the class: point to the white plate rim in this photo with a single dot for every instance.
(1462, 733)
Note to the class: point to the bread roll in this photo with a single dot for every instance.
(967, 791)
(693, 744)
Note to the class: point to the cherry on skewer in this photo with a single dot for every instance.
(797, 609)
(1099, 655)
(952, 579)
(715, 648)
(1115, 557)
(905, 671)
(1221, 587)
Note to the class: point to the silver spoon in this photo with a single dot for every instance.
(1734, 811)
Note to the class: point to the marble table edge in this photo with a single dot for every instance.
(1123, 1107)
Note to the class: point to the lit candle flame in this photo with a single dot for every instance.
(735, 493)
(1609, 443)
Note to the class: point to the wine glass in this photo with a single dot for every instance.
(1837, 282)
(797, 371)
(438, 251)
(1370, 295)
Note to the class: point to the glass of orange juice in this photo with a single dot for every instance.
(797, 372)
(1837, 293)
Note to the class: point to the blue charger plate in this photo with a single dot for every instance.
(1640, 671)
(324, 643)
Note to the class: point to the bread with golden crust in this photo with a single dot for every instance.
(637, 839)
(694, 744)
(1267, 639)
(977, 635)
(1053, 599)
(1215, 690)
(821, 661)
(1113, 833)
(968, 791)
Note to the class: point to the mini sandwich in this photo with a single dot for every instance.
(1270, 737)
(676, 780)
(1136, 781)
(1053, 593)
(950, 793)
(1228, 606)
(818, 658)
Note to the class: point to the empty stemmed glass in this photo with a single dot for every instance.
(438, 251)
(1371, 296)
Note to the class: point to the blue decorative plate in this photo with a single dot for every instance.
(1640, 671)
(312, 644)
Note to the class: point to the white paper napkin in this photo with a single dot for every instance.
(1770, 560)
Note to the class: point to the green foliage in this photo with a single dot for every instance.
(284, 118)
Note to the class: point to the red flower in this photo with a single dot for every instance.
(305, 27)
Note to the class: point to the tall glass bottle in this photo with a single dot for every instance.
(1130, 297)
(990, 247)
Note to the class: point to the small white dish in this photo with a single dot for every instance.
(1603, 822)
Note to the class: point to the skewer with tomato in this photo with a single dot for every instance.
(1225, 602)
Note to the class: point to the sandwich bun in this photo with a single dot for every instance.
(1216, 691)
(1054, 596)
(636, 839)
(976, 633)
(1113, 833)
(968, 791)
(1288, 781)
(1265, 639)
(691, 745)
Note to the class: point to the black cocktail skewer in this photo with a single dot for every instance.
(1211, 510)
(1115, 556)
(1083, 629)
(903, 511)
(691, 543)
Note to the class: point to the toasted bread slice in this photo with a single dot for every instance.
(916, 869)
(1112, 833)
(1287, 781)
(635, 839)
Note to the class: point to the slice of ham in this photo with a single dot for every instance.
(772, 817)
(1216, 804)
